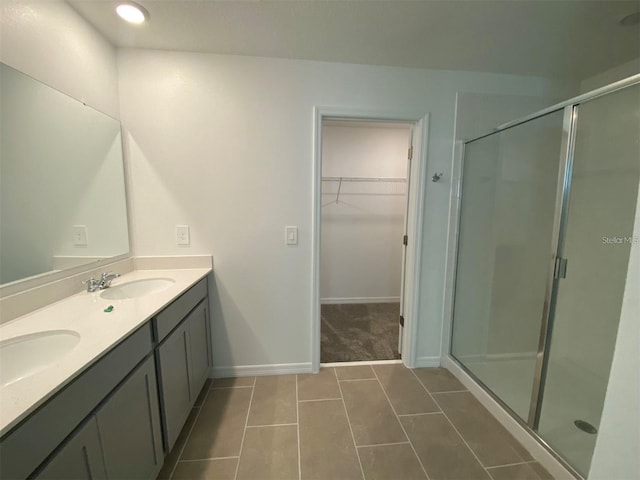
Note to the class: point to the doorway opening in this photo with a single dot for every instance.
(368, 179)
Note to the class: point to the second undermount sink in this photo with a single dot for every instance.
(23, 356)
(137, 288)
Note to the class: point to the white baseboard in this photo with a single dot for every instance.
(331, 301)
(537, 451)
(260, 370)
(422, 362)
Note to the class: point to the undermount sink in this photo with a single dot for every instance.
(22, 356)
(137, 288)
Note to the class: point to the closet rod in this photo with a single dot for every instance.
(364, 179)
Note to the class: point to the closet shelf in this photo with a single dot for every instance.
(364, 179)
(341, 180)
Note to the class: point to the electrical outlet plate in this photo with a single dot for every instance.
(182, 235)
(79, 235)
(291, 235)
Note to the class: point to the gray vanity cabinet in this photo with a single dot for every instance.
(184, 358)
(173, 361)
(129, 424)
(118, 418)
(200, 354)
(80, 458)
(121, 440)
(36, 442)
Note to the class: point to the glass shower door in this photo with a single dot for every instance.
(509, 189)
(596, 241)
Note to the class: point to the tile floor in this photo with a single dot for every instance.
(352, 422)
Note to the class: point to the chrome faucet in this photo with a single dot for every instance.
(106, 279)
(104, 282)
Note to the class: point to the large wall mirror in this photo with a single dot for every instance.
(62, 193)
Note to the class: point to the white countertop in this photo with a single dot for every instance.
(99, 332)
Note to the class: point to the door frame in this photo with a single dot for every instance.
(414, 219)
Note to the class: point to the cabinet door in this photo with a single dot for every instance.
(80, 458)
(199, 348)
(129, 424)
(173, 362)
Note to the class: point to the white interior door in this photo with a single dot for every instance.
(404, 240)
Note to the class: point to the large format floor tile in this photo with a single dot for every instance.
(438, 380)
(390, 462)
(320, 386)
(487, 438)
(372, 419)
(441, 450)
(274, 401)
(219, 429)
(355, 422)
(406, 393)
(355, 372)
(269, 453)
(326, 445)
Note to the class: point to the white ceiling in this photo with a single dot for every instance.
(571, 39)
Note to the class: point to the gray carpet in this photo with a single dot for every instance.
(359, 331)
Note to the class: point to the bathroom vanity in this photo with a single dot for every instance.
(96, 384)
(111, 403)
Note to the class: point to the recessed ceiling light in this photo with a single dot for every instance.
(132, 12)
(629, 20)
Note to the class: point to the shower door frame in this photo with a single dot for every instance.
(563, 194)
(570, 118)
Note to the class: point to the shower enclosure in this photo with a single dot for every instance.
(546, 225)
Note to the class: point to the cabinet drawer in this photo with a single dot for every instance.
(27, 446)
(171, 316)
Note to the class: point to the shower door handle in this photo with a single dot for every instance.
(560, 268)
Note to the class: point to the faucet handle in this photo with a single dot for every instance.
(92, 284)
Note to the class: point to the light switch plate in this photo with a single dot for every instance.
(291, 235)
(79, 234)
(182, 235)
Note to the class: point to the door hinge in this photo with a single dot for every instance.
(401, 321)
(560, 268)
(410, 154)
(405, 240)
